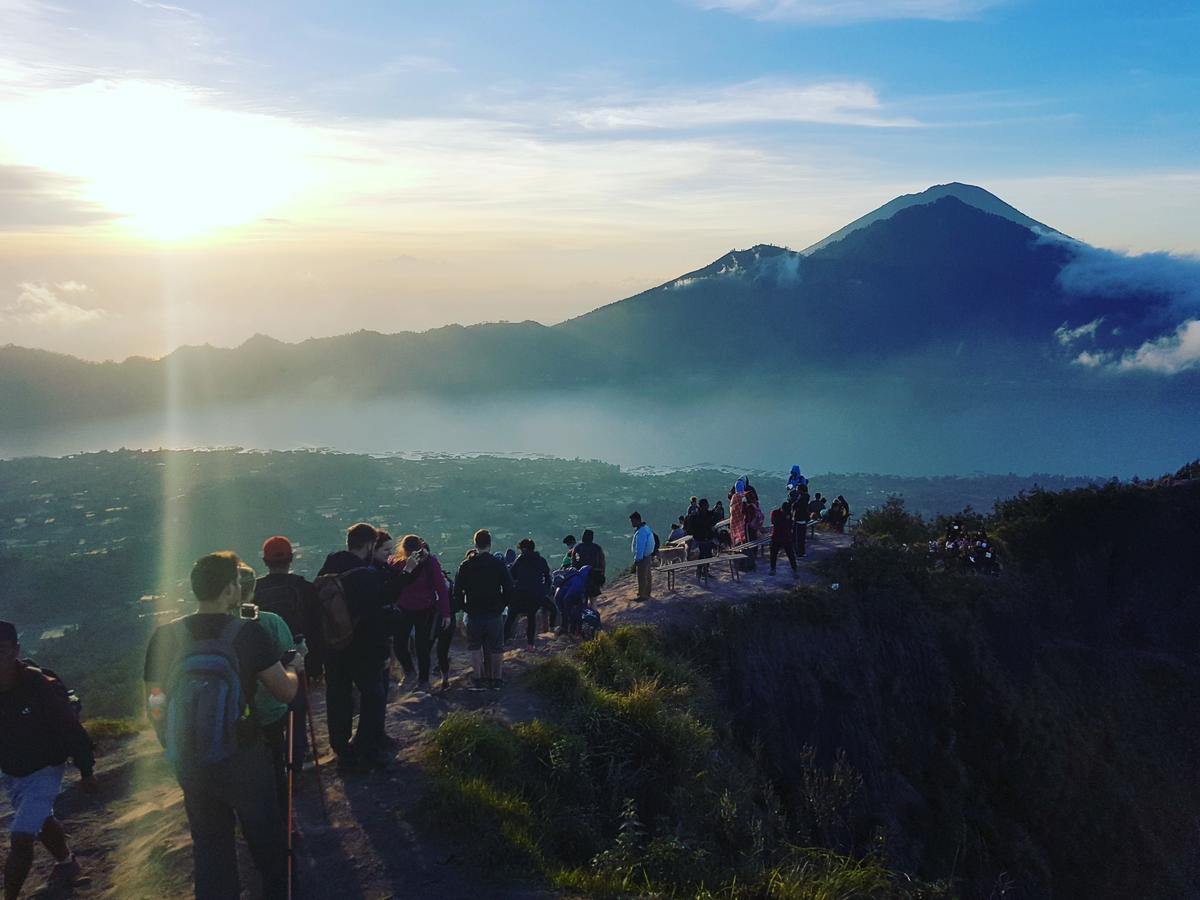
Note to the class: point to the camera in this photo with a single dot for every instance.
(248, 611)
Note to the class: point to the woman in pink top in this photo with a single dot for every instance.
(423, 604)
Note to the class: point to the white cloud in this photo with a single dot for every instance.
(39, 304)
(834, 102)
(71, 287)
(1067, 336)
(829, 12)
(1170, 354)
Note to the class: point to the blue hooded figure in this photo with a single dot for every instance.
(740, 487)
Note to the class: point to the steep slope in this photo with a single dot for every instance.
(966, 193)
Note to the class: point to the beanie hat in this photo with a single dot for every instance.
(277, 550)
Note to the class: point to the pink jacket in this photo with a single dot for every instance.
(429, 586)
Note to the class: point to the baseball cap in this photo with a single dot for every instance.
(276, 550)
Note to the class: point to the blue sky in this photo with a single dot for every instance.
(285, 165)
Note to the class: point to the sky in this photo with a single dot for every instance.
(198, 173)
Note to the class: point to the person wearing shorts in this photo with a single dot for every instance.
(484, 587)
(39, 730)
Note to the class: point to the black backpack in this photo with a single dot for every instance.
(284, 598)
(56, 683)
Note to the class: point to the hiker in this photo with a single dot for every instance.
(643, 555)
(224, 775)
(781, 535)
(588, 553)
(362, 663)
(799, 502)
(422, 605)
(693, 505)
(839, 512)
(677, 530)
(795, 480)
(816, 507)
(569, 542)
(293, 598)
(39, 730)
(700, 526)
(484, 587)
(570, 596)
(531, 584)
(719, 511)
(271, 715)
(446, 634)
(737, 514)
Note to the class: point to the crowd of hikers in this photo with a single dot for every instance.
(227, 688)
(964, 550)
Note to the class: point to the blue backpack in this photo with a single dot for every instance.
(205, 701)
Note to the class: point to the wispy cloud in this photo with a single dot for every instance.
(1068, 336)
(38, 303)
(833, 102)
(834, 12)
(1168, 355)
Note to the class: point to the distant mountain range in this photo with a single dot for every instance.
(924, 292)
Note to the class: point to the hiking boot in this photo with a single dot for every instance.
(66, 871)
(480, 684)
(424, 688)
(445, 682)
(495, 684)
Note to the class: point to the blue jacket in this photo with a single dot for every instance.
(643, 543)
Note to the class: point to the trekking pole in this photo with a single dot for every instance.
(312, 736)
(291, 803)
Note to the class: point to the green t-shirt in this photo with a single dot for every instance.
(266, 708)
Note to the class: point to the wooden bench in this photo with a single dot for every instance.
(701, 565)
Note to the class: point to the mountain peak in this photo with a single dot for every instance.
(970, 194)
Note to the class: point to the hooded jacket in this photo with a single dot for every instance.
(39, 727)
(483, 585)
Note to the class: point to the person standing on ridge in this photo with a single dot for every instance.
(643, 555)
(781, 535)
(531, 582)
(422, 605)
(484, 587)
(39, 730)
(201, 669)
(588, 553)
(293, 598)
(362, 664)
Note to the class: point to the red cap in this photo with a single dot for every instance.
(277, 550)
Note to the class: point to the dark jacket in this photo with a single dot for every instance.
(589, 553)
(369, 592)
(293, 598)
(700, 524)
(531, 574)
(483, 585)
(781, 524)
(39, 727)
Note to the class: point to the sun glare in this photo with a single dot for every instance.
(164, 159)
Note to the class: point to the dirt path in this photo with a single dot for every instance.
(132, 840)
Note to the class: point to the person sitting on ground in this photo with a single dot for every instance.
(484, 587)
(223, 781)
(422, 605)
(839, 513)
(39, 730)
(816, 507)
(272, 715)
(781, 535)
(643, 556)
(588, 553)
(677, 530)
(569, 542)
(531, 584)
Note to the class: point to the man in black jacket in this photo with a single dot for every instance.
(39, 730)
(483, 587)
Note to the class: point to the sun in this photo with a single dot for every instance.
(166, 160)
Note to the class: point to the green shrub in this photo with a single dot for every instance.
(894, 524)
(113, 729)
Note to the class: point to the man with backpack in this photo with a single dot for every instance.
(39, 730)
(484, 587)
(293, 598)
(588, 553)
(357, 645)
(201, 673)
